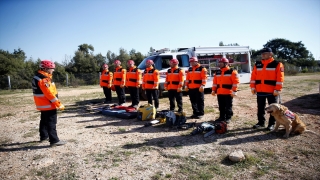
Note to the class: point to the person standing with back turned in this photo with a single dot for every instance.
(45, 96)
(195, 82)
(266, 82)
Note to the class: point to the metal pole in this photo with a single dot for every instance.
(9, 82)
(67, 80)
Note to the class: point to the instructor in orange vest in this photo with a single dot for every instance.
(133, 82)
(106, 83)
(195, 82)
(45, 96)
(119, 80)
(266, 82)
(174, 83)
(225, 85)
(150, 83)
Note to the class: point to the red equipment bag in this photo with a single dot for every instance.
(126, 108)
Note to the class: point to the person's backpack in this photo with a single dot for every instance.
(146, 112)
(161, 115)
(175, 119)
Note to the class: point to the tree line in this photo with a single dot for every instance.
(84, 66)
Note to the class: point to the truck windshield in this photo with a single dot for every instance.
(160, 62)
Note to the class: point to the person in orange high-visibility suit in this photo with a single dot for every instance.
(195, 83)
(119, 81)
(150, 83)
(225, 85)
(45, 96)
(133, 82)
(266, 82)
(174, 82)
(106, 83)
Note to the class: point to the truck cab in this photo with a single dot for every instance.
(239, 58)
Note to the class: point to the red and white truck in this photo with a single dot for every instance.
(239, 58)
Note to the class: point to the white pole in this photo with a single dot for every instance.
(9, 82)
(67, 80)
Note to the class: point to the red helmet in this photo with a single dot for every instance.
(193, 59)
(47, 64)
(174, 61)
(105, 66)
(223, 60)
(130, 62)
(117, 62)
(149, 61)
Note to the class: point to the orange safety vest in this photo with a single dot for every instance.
(225, 81)
(174, 78)
(196, 77)
(45, 94)
(133, 78)
(267, 76)
(106, 78)
(119, 76)
(150, 78)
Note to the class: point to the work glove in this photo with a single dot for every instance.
(276, 93)
(179, 89)
(122, 86)
(155, 87)
(143, 88)
(253, 91)
(165, 88)
(213, 93)
(234, 94)
(61, 107)
(109, 86)
(201, 88)
(138, 86)
(186, 89)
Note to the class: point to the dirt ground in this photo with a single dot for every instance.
(102, 147)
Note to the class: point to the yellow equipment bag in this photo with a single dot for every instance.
(146, 112)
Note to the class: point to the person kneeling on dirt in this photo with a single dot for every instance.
(225, 85)
(133, 81)
(45, 96)
(106, 83)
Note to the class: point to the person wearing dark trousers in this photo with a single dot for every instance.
(45, 96)
(225, 85)
(266, 82)
(195, 82)
(106, 83)
(119, 80)
(174, 83)
(150, 83)
(133, 82)
(197, 102)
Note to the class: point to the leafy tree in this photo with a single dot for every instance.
(287, 51)
(85, 48)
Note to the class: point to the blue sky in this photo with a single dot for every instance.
(53, 29)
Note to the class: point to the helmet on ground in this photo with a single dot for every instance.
(149, 61)
(47, 64)
(221, 127)
(193, 59)
(117, 62)
(105, 66)
(174, 61)
(223, 60)
(130, 62)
